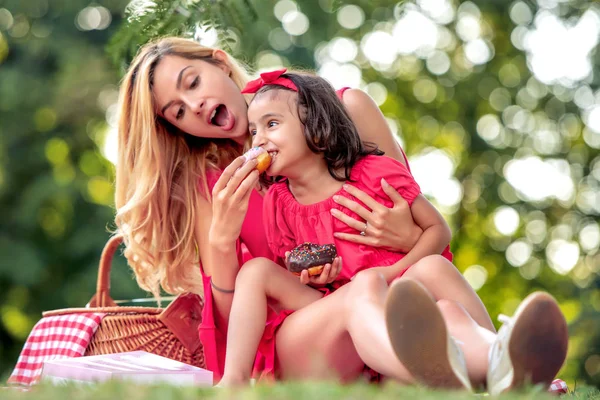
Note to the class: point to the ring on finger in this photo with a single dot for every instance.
(364, 231)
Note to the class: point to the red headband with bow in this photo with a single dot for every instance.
(269, 78)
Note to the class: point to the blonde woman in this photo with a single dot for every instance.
(184, 198)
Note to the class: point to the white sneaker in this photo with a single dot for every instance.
(530, 347)
(420, 339)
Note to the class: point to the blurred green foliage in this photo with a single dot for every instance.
(56, 190)
(466, 106)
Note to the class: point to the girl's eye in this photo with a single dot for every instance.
(179, 114)
(194, 83)
(252, 132)
(271, 124)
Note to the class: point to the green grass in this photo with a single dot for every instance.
(288, 391)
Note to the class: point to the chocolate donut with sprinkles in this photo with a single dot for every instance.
(311, 257)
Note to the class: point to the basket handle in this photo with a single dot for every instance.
(102, 297)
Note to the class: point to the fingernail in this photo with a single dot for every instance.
(333, 211)
(384, 182)
(336, 198)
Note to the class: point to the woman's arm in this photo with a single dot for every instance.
(387, 228)
(390, 228)
(436, 236)
(218, 229)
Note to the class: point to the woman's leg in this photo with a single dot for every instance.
(336, 336)
(443, 280)
(258, 280)
(328, 338)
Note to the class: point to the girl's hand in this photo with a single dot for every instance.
(329, 274)
(388, 228)
(230, 197)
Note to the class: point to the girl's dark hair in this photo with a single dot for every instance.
(328, 128)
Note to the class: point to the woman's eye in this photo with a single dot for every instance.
(194, 83)
(252, 132)
(271, 124)
(179, 114)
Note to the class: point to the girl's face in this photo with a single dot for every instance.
(200, 98)
(274, 123)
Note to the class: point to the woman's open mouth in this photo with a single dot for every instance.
(222, 118)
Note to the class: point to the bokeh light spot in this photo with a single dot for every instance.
(476, 275)
(295, 23)
(350, 16)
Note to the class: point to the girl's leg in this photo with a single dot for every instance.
(441, 278)
(476, 340)
(258, 280)
(421, 339)
(530, 348)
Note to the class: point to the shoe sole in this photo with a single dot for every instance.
(418, 334)
(538, 346)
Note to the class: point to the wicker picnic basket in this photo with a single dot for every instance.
(170, 332)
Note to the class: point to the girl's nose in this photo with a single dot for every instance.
(258, 140)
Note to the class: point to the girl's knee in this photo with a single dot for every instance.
(366, 284)
(255, 269)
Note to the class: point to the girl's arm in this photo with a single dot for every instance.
(436, 236)
(218, 229)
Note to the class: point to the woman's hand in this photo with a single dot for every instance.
(230, 197)
(388, 228)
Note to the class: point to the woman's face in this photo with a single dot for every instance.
(200, 98)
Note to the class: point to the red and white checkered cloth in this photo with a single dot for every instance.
(558, 386)
(52, 338)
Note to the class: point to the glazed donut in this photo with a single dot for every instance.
(261, 155)
(311, 257)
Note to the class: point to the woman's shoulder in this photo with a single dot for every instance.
(356, 100)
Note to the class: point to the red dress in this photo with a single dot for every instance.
(289, 223)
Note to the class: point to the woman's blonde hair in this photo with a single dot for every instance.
(160, 173)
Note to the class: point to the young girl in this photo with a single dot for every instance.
(313, 143)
